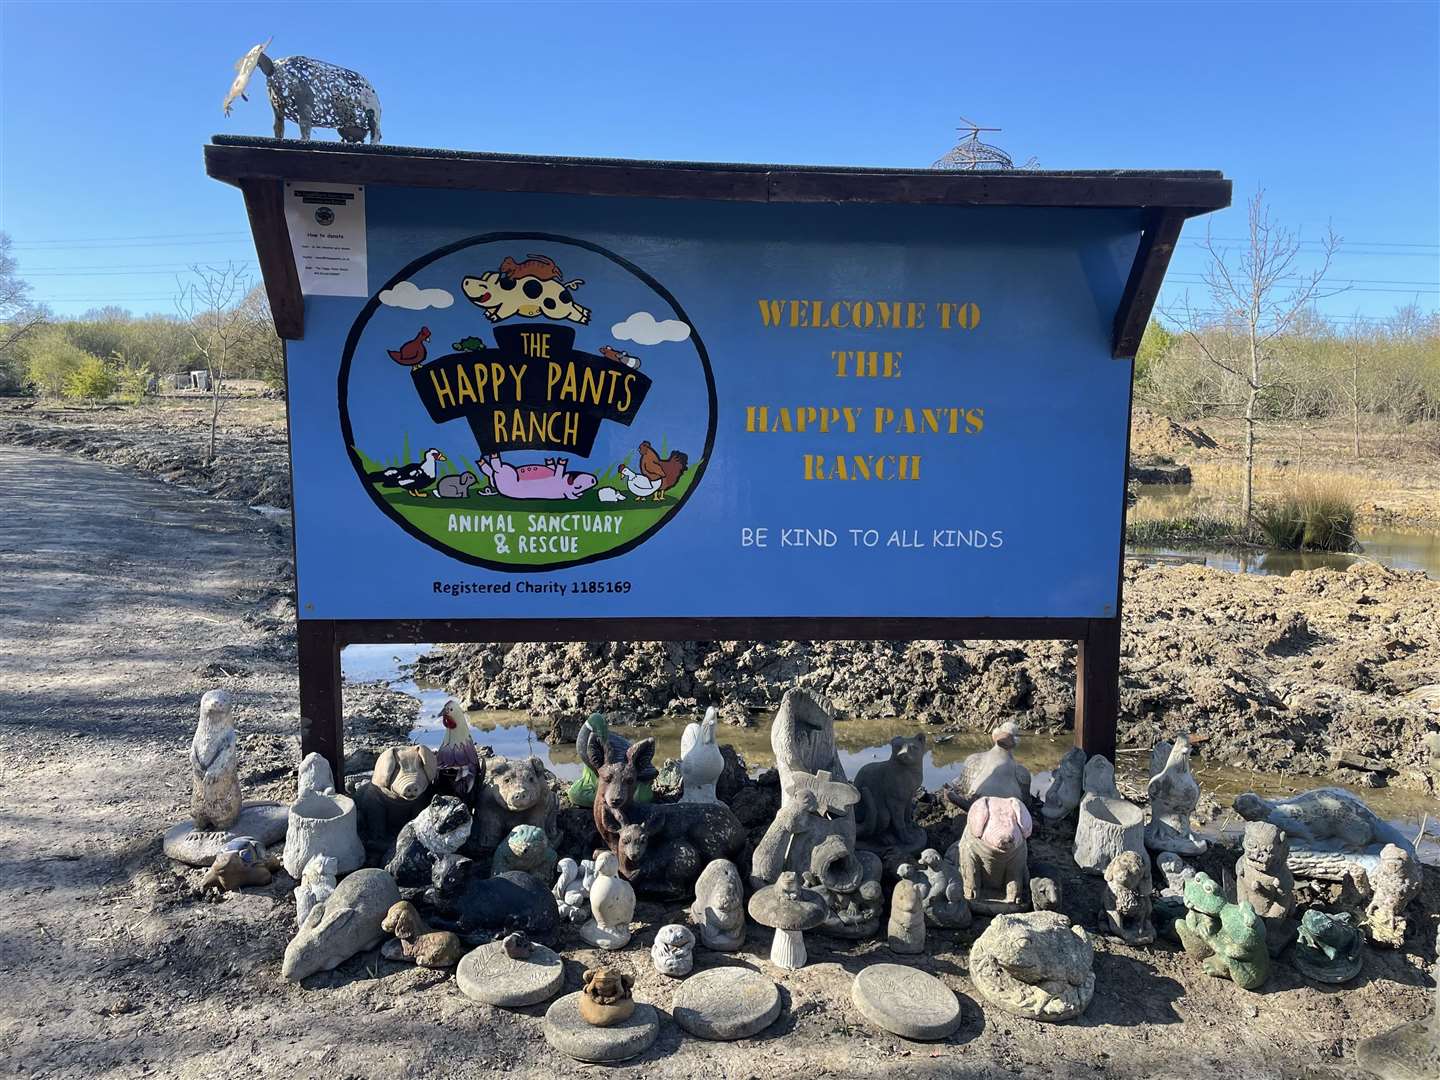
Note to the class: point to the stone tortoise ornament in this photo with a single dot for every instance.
(312, 93)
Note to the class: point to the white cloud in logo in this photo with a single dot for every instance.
(642, 329)
(410, 296)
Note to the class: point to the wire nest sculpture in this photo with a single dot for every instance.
(972, 154)
(312, 94)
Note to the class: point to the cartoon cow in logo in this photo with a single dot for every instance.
(530, 288)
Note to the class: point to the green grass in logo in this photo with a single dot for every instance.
(527, 532)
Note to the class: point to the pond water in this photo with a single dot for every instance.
(1417, 549)
(510, 734)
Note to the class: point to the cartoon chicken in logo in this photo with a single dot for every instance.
(529, 289)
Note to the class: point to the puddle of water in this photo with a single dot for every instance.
(860, 742)
(1400, 550)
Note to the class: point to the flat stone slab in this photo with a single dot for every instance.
(726, 1003)
(906, 1002)
(487, 974)
(263, 821)
(568, 1033)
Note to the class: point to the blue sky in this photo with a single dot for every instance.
(1334, 108)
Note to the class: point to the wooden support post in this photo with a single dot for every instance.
(1097, 688)
(322, 725)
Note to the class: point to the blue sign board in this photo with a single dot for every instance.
(566, 406)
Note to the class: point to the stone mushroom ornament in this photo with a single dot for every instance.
(1174, 794)
(790, 909)
(311, 93)
(701, 762)
(214, 766)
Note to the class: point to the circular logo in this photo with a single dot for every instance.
(526, 401)
(324, 216)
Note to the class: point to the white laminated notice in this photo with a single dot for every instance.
(327, 234)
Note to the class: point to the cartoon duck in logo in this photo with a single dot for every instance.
(529, 289)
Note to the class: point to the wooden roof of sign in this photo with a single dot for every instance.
(255, 165)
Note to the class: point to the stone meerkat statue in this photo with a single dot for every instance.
(214, 767)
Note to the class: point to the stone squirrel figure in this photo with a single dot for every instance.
(214, 767)
(906, 931)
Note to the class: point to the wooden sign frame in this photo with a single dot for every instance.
(259, 167)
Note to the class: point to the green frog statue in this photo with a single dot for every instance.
(1328, 949)
(1228, 938)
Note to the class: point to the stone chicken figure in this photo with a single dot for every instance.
(312, 93)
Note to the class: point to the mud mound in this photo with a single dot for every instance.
(1282, 674)
(1153, 435)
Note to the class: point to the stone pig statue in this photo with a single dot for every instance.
(516, 791)
(401, 785)
(992, 854)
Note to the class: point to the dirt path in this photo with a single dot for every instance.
(122, 599)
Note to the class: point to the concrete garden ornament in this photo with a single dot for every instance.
(399, 787)
(317, 882)
(321, 822)
(596, 730)
(1396, 883)
(242, 862)
(1128, 898)
(311, 93)
(719, 908)
(1060, 791)
(993, 772)
(572, 889)
(790, 909)
(526, 850)
(515, 791)
(992, 854)
(415, 941)
(605, 996)
(214, 767)
(701, 762)
(476, 906)
(906, 932)
(1410, 1051)
(673, 953)
(1034, 964)
(945, 904)
(460, 766)
(1262, 877)
(612, 905)
(1228, 938)
(1108, 824)
(885, 816)
(350, 921)
(1328, 947)
(436, 834)
(1174, 794)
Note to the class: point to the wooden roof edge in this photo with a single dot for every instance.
(234, 160)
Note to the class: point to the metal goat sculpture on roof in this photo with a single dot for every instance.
(312, 93)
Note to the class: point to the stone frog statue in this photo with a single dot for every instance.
(992, 854)
(885, 816)
(1228, 938)
(516, 791)
(526, 850)
(401, 785)
(1034, 964)
(215, 798)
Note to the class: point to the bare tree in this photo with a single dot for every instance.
(1357, 344)
(1253, 306)
(19, 317)
(209, 301)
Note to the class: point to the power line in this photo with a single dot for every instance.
(113, 239)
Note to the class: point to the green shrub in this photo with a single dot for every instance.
(1313, 515)
(50, 360)
(91, 380)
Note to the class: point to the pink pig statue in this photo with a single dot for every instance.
(992, 855)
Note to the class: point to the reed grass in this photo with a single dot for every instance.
(1314, 513)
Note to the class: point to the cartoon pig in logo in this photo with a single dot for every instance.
(529, 289)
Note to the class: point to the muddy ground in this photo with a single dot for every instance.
(122, 600)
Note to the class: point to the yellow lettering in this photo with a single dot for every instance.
(443, 394)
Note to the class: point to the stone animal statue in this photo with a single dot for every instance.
(1333, 835)
(571, 891)
(1410, 1051)
(849, 881)
(243, 861)
(719, 908)
(673, 952)
(401, 785)
(993, 772)
(906, 930)
(945, 903)
(1229, 939)
(526, 850)
(595, 728)
(311, 93)
(1059, 791)
(605, 998)
(350, 921)
(478, 908)
(885, 817)
(515, 791)
(1328, 947)
(1034, 964)
(1262, 877)
(214, 767)
(1127, 900)
(317, 882)
(665, 851)
(612, 905)
(1396, 882)
(1046, 893)
(701, 762)
(414, 940)
(1174, 794)
(992, 854)
(314, 774)
(436, 833)
(618, 779)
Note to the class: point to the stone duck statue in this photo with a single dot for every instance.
(992, 772)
